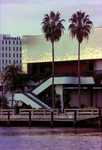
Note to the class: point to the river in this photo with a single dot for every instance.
(46, 138)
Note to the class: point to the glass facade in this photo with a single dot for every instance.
(35, 48)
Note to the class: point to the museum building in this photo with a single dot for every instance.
(37, 55)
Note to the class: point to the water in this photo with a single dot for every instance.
(41, 138)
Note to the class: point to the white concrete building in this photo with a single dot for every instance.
(10, 50)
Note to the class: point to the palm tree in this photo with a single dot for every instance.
(80, 28)
(52, 27)
(98, 79)
(13, 79)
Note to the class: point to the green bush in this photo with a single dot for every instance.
(66, 99)
(57, 101)
(1, 100)
(5, 103)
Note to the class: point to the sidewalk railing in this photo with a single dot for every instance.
(83, 111)
(5, 111)
(38, 111)
(79, 112)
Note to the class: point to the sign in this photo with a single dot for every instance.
(11, 38)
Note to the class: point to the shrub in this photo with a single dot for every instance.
(66, 99)
(5, 103)
(57, 101)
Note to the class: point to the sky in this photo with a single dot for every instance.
(24, 17)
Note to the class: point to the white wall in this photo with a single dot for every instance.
(98, 64)
(85, 97)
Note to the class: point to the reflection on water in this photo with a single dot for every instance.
(37, 138)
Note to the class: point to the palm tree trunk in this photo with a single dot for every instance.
(12, 100)
(53, 102)
(79, 73)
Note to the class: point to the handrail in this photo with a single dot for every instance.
(69, 73)
(5, 111)
(83, 111)
(39, 98)
(38, 111)
(25, 93)
(92, 112)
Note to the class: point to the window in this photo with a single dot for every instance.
(20, 48)
(13, 61)
(17, 55)
(17, 48)
(13, 48)
(20, 42)
(2, 48)
(6, 54)
(20, 62)
(9, 48)
(2, 54)
(13, 54)
(6, 48)
(6, 42)
(2, 41)
(6, 61)
(20, 55)
(9, 42)
(2, 61)
(17, 61)
(17, 42)
(13, 42)
(9, 61)
(9, 55)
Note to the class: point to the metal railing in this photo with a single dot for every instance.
(79, 112)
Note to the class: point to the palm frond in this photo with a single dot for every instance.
(52, 26)
(80, 26)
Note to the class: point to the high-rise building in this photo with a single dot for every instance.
(10, 50)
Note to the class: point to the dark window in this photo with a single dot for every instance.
(9, 48)
(9, 61)
(20, 48)
(17, 61)
(17, 55)
(13, 42)
(6, 61)
(6, 42)
(6, 54)
(34, 68)
(9, 42)
(6, 48)
(13, 48)
(13, 54)
(9, 55)
(17, 48)
(2, 61)
(20, 55)
(91, 65)
(17, 42)
(20, 42)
